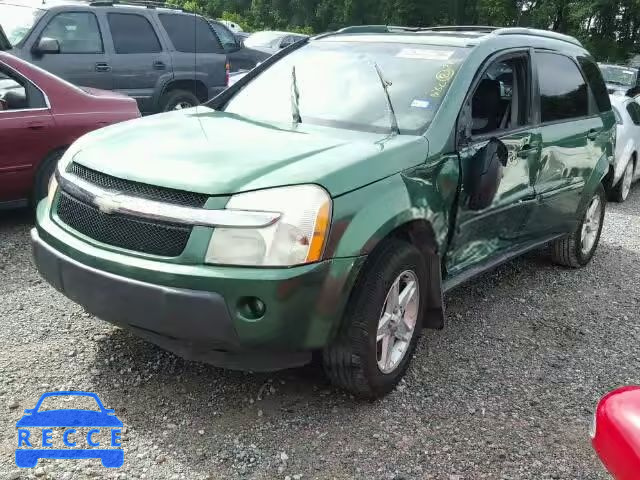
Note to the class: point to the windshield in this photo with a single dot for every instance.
(337, 84)
(17, 21)
(619, 75)
(262, 39)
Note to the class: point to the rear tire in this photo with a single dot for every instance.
(178, 100)
(620, 192)
(578, 248)
(353, 361)
(43, 176)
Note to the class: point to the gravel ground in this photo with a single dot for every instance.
(505, 391)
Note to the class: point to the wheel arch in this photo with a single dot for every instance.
(195, 86)
(599, 176)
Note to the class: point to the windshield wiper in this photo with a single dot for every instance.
(295, 98)
(392, 114)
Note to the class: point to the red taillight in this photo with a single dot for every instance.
(227, 68)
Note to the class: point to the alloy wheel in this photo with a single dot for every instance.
(397, 321)
(627, 178)
(591, 225)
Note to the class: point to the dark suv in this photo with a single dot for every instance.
(165, 58)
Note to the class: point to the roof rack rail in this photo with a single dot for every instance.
(460, 29)
(136, 3)
(394, 28)
(538, 33)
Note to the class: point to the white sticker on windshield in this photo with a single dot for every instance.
(421, 103)
(425, 54)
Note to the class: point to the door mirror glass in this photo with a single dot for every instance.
(48, 45)
(485, 174)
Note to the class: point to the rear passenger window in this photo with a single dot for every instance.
(190, 34)
(563, 91)
(76, 32)
(226, 37)
(596, 83)
(132, 34)
(634, 112)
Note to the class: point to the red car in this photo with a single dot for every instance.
(40, 116)
(615, 432)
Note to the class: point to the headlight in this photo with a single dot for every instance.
(298, 237)
(53, 188)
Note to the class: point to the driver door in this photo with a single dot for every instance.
(25, 133)
(497, 111)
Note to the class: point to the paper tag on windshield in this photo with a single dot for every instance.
(418, 103)
(425, 54)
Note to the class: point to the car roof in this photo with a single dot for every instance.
(455, 36)
(49, 4)
(616, 65)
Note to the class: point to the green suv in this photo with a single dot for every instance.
(326, 202)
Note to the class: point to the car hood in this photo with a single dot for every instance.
(217, 153)
(69, 418)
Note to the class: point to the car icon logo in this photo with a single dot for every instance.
(36, 434)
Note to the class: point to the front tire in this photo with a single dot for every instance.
(382, 322)
(620, 192)
(178, 100)
(578, 248)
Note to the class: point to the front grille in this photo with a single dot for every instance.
(137, 189)
(156, 238)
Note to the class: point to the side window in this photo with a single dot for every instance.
(501, 99)
(132, 34)
(16, 93)
(227, 38)
(634, 112)
(562, 96)
(190, 34)
(76, 32)
(596, 83)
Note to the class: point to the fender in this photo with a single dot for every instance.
(597, 176)
(409, 203)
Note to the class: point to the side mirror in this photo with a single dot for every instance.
(29, 410)
(47, 45)
(615, 432)
(485, 174)
(633, 91)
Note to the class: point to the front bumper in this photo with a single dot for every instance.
(192, 310)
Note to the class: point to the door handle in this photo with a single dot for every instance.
(103, 67)
(36, 125)
(159, 65)
(593, 134)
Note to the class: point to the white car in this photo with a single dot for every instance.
(626, 168)
(233, 26)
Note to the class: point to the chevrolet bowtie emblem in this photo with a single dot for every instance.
(108, 203)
